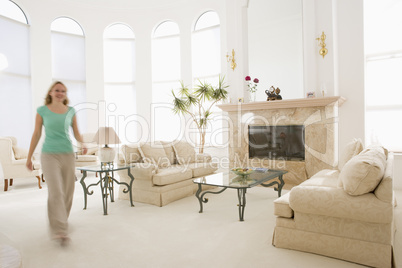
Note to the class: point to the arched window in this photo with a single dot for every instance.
(68, 62)
(16, 111)
(206, 66)
(119, 68)
(165, 77)
(383, 85)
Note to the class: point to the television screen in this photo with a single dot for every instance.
(277, 142)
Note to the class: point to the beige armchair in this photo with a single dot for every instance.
(13, 159)
(91, 157)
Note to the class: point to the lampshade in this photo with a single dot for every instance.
(106, 135)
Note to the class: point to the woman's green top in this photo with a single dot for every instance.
(57, 128)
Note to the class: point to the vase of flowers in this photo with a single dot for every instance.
(252, 87)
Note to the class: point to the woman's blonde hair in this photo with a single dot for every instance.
(48, 99)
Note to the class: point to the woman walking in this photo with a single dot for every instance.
(57, 157)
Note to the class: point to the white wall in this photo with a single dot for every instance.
(94, 18)
(342, 70)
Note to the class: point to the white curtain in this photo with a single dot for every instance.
(120, 91)
(166, 77)
(15, 82)
(68, 66)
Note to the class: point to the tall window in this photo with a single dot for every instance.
(68, 62)
(383, 86)
(165, 77)
(15, 77)
(119, 67)
(206, 66)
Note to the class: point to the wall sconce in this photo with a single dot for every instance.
(321, 42)
(232, 60)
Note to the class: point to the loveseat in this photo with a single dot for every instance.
(163, 171)
(345, 213)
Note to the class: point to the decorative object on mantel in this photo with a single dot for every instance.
(197, 103)
(273, 94)
(252, 87)
(311, 94)
(321, 42)
(232, 60)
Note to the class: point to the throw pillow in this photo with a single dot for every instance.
(154, 153)
(168, 146)
(352, 148)
(20, 153)
(364, 172)
(185, 152)
(131, 153)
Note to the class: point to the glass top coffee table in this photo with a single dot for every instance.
(260, 176)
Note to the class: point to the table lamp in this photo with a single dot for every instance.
(106, 135)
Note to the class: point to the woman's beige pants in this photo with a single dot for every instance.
(59, 173)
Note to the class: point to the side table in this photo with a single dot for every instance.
(106, 180)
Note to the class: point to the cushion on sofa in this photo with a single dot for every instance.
(363, 172)
(282, 208)
(202, 169)
(172, 174)
(155, 154)
(185, 152)
(352, 149)
(131, 153)
(168, 146)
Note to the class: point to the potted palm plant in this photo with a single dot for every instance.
(197, 103)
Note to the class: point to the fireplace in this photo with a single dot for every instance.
(315, 119)
(277, 142)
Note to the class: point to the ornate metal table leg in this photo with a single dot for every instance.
(84, 187)
(197, 194)
(110, 186)
(201, 198)
(104, 188)
(280, 186)
(130, 189)
(241, 193)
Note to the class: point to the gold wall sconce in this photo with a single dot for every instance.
(232, 60)
(321, 42)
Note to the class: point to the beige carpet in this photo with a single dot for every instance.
(147, 236)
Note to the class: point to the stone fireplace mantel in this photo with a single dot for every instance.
(319, 116)
(281, 104)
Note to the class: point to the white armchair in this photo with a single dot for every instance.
(91, 157)
(13, 161)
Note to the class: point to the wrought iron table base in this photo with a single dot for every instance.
(106, 183)
(241, 194)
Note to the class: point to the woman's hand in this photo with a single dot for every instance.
(29, 164)
(84, 149)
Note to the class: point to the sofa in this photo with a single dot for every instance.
(345, 213)
(163, 171)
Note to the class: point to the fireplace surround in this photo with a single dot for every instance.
(319, 118)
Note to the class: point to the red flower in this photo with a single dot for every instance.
(256, 80)
(248, 78)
